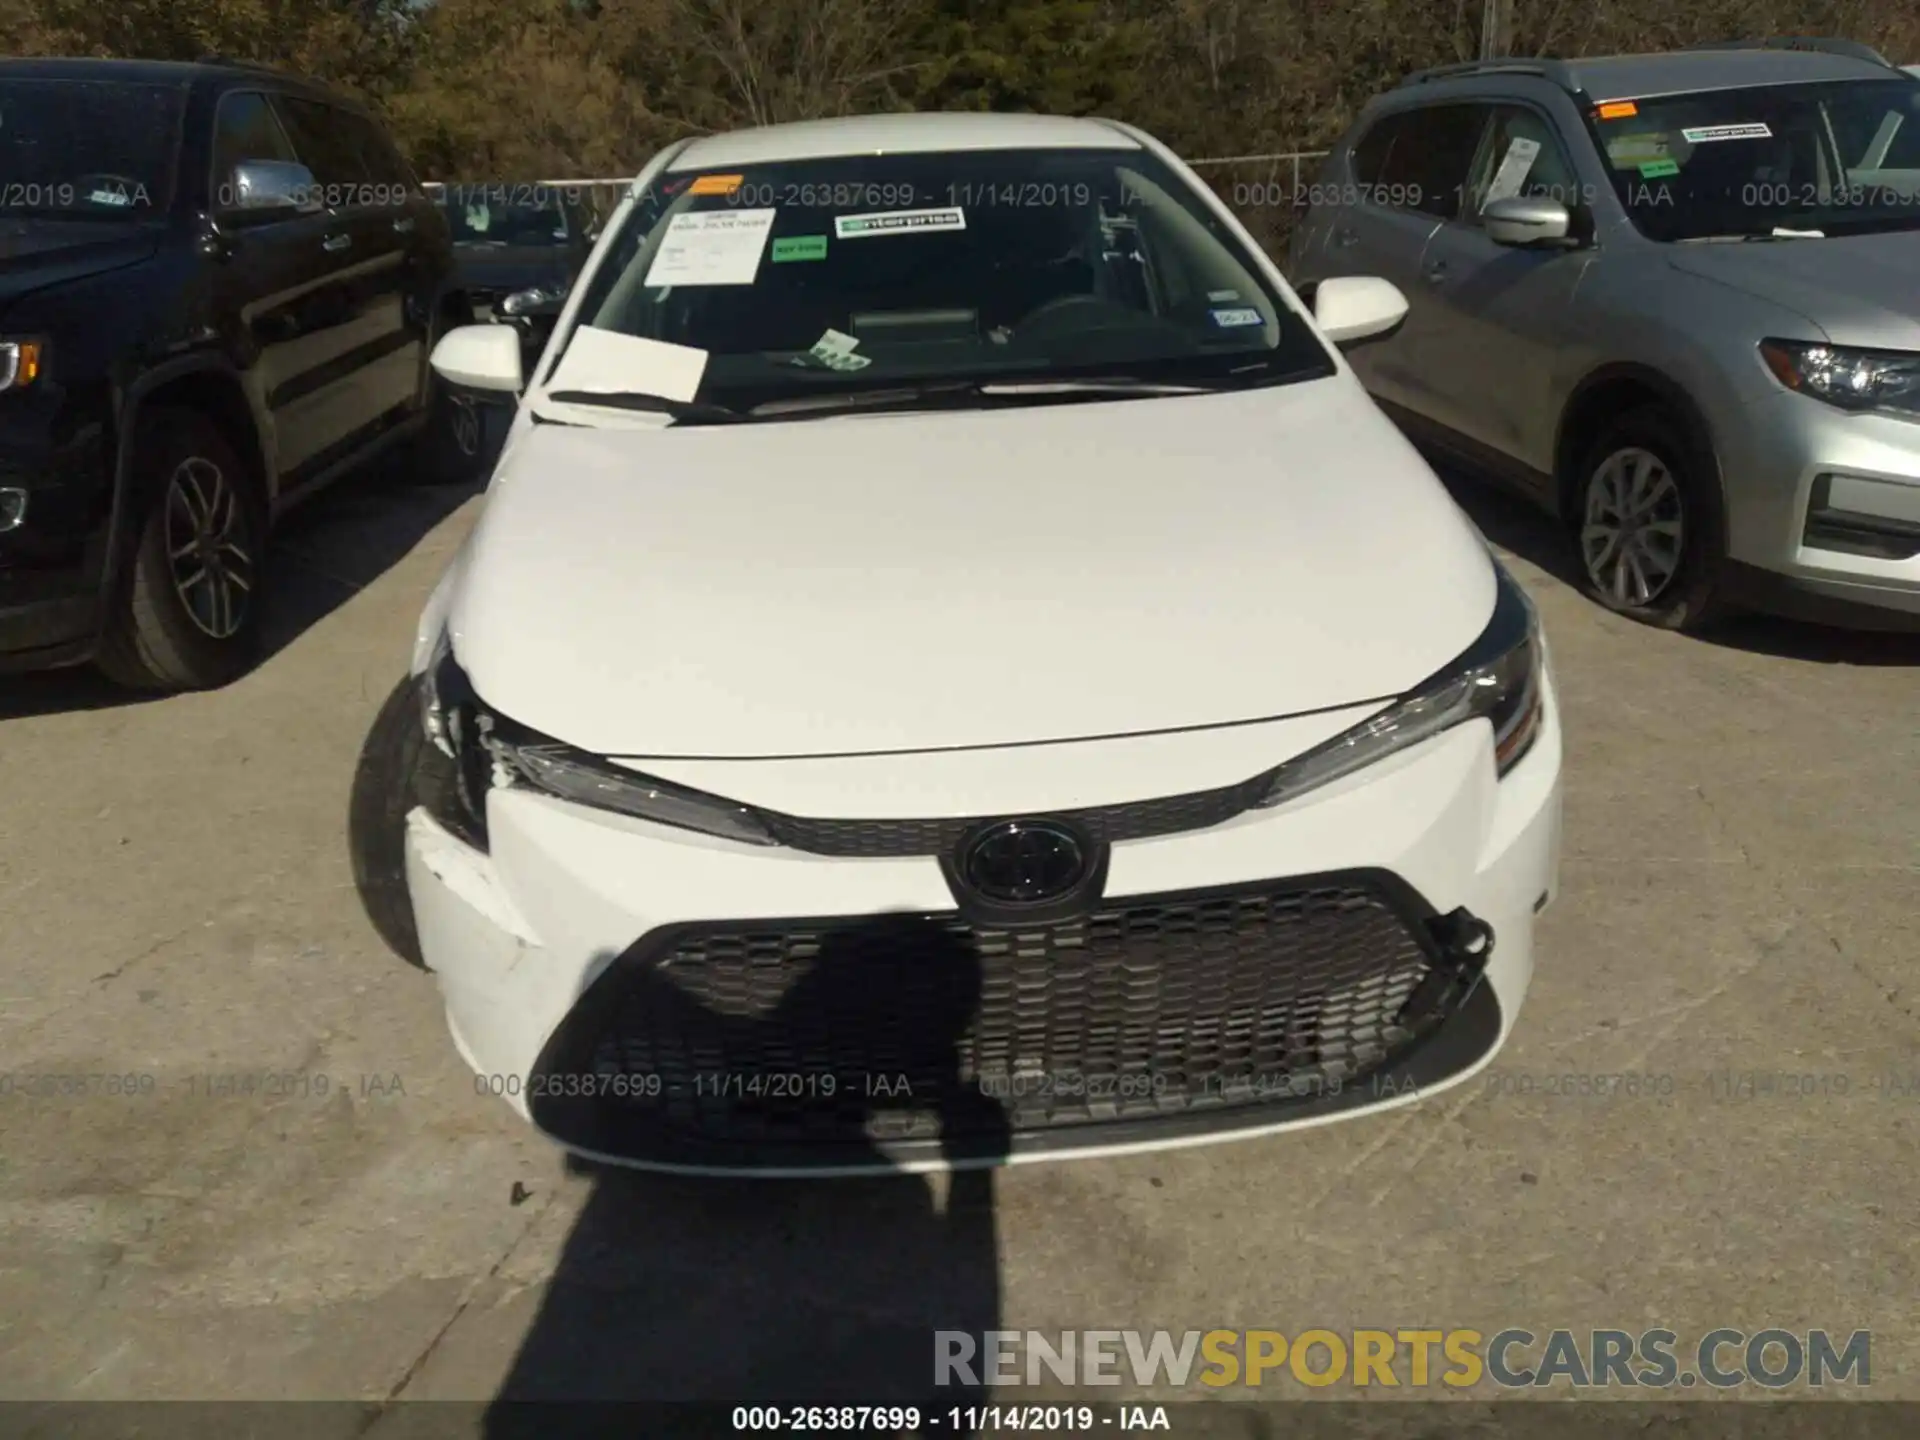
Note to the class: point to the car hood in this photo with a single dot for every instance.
(858, 585)
(36, 253)
(1857, 288)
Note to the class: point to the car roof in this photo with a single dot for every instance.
(905, 134)
(1629, 77)
(168, 72)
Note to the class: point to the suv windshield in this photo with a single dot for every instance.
(478, 218)
(807, 277)
(1836, 158)
(87, 149)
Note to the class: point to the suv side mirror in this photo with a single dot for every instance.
(1526, 220)
(268, 185)
(1348, 308)
(481, 357)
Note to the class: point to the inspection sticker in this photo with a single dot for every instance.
(1700, 135)
(1234, 319)
(711, 247)
(898, 222)
(1512, 174)
(799, 247)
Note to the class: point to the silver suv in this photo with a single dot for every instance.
(1674, 298)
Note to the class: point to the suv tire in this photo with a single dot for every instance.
(1649, 531)
(186, 615)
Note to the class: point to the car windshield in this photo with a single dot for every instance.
(1831, 159)
(87, 149)
(804, 278)
(479, 218)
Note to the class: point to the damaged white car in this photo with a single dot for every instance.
(952, 668)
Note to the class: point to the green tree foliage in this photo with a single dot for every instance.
(486, 89)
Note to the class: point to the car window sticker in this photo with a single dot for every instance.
(899, 222)
(1514, 168)
(711, 247)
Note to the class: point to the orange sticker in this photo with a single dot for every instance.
(715, 185)
(1618, 110)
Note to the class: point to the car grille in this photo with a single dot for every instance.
(882, 1030)
(1133, 820)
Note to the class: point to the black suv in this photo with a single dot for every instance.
(219, 287)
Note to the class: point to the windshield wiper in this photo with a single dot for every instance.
(947, 392)
(682, 412)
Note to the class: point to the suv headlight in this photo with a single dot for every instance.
(1497, 680)
(488, 751)
(1848, 378)
(20, 362)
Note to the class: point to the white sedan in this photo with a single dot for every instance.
(951, 668)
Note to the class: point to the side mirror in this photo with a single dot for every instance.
(538, 303)
(1524, 220)
(481, 357)
(1357, 307)
(268, 185)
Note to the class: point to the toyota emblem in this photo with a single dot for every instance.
(1024, 862)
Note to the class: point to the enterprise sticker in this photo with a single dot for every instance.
(898, 222)
(1700, 135)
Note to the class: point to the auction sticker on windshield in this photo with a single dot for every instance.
(898, 222)
(711, 247)
(1700, 135)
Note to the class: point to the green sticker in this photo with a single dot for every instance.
(1655, 169)
(800, 247)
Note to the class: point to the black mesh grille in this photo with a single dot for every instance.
(1134, 820)
(903, 1029)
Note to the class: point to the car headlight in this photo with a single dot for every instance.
(488, 751)
(20, 362)
(1848, 378)
(1497, 680)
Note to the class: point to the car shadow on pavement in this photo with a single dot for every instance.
(763, 1291)
(1516, 525)
(323, 553)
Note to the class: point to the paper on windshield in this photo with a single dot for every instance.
(711, 247)
(605, 361)
(1514, 166)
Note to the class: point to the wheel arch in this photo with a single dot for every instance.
(207, 385)
(1613, 390)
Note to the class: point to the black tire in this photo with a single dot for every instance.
(1641, 576)
(164, 630)
(377, 821)
(452, 448)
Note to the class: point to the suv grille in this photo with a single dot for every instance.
(876, 1031)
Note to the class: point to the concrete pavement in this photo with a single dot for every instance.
(1739, 895)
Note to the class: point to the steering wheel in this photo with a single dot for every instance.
(1065, 307)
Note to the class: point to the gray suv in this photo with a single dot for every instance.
(1675, 299)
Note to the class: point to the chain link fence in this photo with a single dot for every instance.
(1268, 192)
